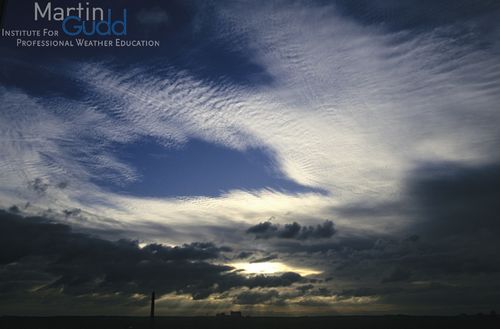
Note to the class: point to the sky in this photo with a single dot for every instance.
(274, 157)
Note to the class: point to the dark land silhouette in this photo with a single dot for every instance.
(335, 322)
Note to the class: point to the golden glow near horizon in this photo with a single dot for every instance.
(272, 268)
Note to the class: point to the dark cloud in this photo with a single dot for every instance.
(39, 185)
(244, 254)
(342, 244)
(256, 297)
(454, 230)
(446, 252)
(305, 288)
(62, 185)
(283, 280)
(368, 209)
(398, 274)
(314, 303)
(192, 251)
(455, 209)
(267, 230)
(455, 199)
(72, 212)
(446, 257)
(263, 228)
(79, 264)
(264, 259)
(14, 209)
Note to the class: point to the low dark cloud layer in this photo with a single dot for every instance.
(399, 274)
(445, 258)
(454, 199)
(52, 255)
(268, 230)
(255, 297)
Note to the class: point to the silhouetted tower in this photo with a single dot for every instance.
(152, 314)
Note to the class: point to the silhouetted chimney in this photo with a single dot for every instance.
(152, 314)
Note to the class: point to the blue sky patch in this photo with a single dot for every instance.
(199, 168)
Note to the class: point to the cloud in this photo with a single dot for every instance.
(80, 264)
(255, 297)
(193, 251)
(305, 288)
(352, 105)
(39, 186)
(244, 254)
(450, 207)
(267, 230)
(72, 212)
(264, 259)
(62, 185)
(399, 274)
(450, 244)
(349, 111)
(14, 209)
(456, 199)
(263, 228)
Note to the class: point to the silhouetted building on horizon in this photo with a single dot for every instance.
(233, 314)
